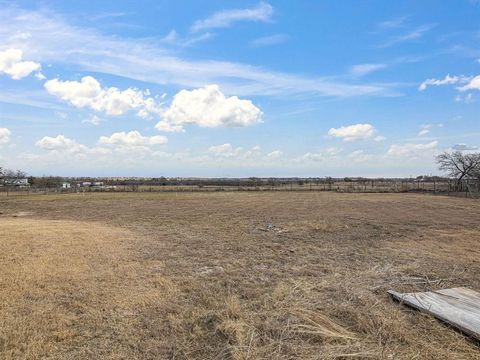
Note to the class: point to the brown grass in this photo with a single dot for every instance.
(231, 275)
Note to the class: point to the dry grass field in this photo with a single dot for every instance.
(231, 275)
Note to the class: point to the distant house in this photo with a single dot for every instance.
(66, 185)
(17, 182)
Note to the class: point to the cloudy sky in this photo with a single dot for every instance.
(230, 88)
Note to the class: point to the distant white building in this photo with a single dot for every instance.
(66, 185)
(17, 182)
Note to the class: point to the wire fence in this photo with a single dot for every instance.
(465, 188)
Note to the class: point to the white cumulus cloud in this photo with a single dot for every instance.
(225, 18)
(473, 84)
(11, 63)
(167, 127)
(208, 107)
(132, 138)
(4, 136)
(353, 132)
(60, 142)
(224, 150)
(118, 146)
(411, 150)
(274, 154)
(325, 155)
(89, 93)
(229, 152)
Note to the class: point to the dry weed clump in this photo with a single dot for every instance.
(316, 324)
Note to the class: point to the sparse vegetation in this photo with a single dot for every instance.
(231, 275)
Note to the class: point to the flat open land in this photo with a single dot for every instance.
(274, 275)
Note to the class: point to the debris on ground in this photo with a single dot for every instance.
(272, 228)
(458, 307)
(211, 270)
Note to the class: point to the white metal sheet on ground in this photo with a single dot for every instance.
(459, 307)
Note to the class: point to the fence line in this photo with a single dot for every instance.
(466, 188)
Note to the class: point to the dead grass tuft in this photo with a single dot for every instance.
(315, 324)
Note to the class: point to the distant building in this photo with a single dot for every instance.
(93, 185)
(66, 185)
(17, 182)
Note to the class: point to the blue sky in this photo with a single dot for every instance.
(224, 88)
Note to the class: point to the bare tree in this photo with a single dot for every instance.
(459, 165)
(476, 173)
(9, 174)
(19, 174)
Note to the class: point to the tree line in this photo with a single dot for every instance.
(457, 165)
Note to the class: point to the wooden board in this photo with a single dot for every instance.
(459, 307)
